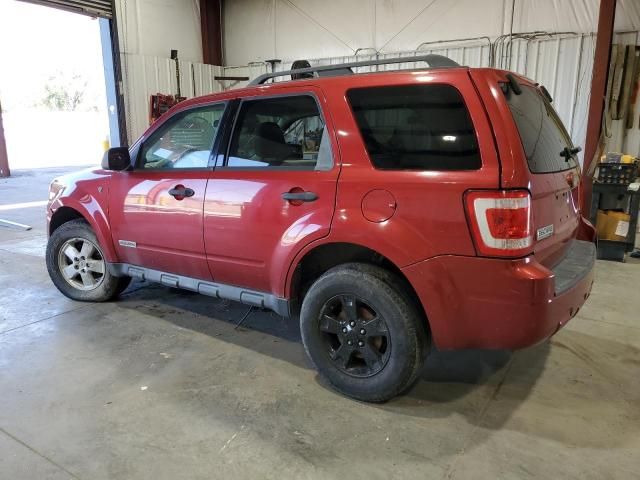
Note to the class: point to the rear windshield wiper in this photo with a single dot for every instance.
(568, 153)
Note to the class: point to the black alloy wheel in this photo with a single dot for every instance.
(356, 336)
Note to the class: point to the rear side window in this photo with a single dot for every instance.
(541, 131)
(416, 127)
(280, 132)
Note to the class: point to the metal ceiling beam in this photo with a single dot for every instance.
(211, 30)
(598, 91)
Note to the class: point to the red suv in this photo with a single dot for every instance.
(385, 210)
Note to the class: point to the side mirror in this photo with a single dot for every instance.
(116, 158)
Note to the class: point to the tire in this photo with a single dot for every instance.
(77, 266)
(386, 359)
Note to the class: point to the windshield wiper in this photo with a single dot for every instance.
(568, 153)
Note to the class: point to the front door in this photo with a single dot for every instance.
(274, 191)
(155, 210)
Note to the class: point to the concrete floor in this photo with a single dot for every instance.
(160, 385)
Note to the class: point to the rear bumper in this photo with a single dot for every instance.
(474, 302)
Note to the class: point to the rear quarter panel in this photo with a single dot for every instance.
(429, 219)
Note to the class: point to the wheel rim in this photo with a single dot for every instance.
(356, 337)
(81, 264)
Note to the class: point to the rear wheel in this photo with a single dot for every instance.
(363, 332)
(77, 266)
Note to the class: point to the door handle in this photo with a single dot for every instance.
(300, 196)
(180, 191)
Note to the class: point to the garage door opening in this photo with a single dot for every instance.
(57, 88)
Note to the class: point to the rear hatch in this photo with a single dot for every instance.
(554, 173)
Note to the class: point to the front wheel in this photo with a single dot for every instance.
(363, 332)
(77, 266)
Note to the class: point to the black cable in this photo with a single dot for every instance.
(246, 315)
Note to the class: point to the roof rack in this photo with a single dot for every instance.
(434, 61)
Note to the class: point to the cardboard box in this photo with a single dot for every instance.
(612, 225)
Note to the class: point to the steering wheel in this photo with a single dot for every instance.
(182, 154)
(198, 121)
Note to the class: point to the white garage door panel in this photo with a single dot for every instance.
(94, 8)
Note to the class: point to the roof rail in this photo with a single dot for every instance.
(345, 68)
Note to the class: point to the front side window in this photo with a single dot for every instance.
(280, 132)
(415, 127)
(185, 141)
(541, 131)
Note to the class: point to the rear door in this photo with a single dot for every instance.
(554, 174)
(273, 191)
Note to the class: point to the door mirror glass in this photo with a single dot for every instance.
(116, 158)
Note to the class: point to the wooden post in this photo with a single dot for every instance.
(4, 160)
(598, 91)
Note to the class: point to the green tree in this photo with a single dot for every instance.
(65, 92)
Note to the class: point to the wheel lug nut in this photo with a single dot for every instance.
(349, 342)
(352, 323)
(361, 343)
(81, 258)
(362, 331)
(344, 329)
(76, 267)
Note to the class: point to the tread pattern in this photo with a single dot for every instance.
(111, 286)
(407, 324)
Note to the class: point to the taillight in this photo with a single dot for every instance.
(501, 222)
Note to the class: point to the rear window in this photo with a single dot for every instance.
(541, 131)
(415, 127)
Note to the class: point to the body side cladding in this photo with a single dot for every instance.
(211, 289)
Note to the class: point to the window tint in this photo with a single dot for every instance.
(541, 131)
(416, 127)
(185, 141)
(285, 132)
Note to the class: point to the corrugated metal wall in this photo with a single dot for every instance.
(146, 75)
(563, 64)
(289, 29)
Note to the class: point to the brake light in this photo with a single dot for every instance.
(501, 222)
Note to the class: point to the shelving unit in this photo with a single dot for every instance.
(607, 194)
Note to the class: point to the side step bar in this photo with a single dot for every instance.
(217, 290)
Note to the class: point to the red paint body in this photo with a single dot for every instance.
(237, 229)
